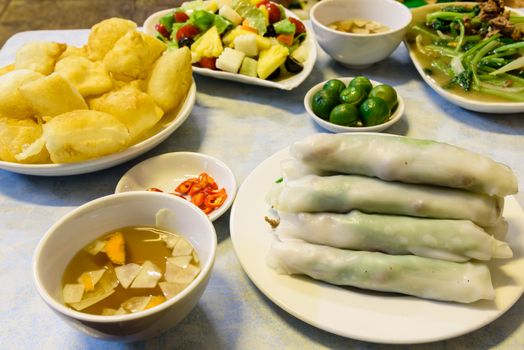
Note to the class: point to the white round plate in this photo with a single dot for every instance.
(284, 84)
(168, 170)
(395, 117)
(359, 314)
(464, 102)
(170, 123)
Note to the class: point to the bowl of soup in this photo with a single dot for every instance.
(359, 33)
(127, 266)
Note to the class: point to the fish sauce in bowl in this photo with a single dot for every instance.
(129, 270)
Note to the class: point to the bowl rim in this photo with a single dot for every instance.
(316, 22)
(106, 319)
(215, 214)
(326, 124)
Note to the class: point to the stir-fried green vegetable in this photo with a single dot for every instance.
(478, 48)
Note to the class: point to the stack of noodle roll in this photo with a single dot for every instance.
(391, 213)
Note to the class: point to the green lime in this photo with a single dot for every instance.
(344, 114)
(335, 85)
(354, 95)
(374, 111)
(323, 102)
(387, 93)
(361, 81)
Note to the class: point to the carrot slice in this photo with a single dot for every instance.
(115, 248)
(155, 300)
(286, 39)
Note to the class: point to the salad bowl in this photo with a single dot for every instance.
(286, 83)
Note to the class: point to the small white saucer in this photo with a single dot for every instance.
(168, 170)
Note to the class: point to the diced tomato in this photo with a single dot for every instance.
(188, 30)
(300, 28)
(180, 17)
(273, 11)
(162, 30)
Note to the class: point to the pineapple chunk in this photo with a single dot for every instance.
(208, 45)
(230, 60)
(263, 43)
(271, 59)
(247, 43)
(229, 38)
(227, 12)
(210, 5)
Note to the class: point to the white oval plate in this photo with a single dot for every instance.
(466, 103)
(395, 117)
(284, 84)
(171, 123)
(168, 170)
(359, 314)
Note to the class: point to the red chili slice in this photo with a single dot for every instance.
(154, 189)
(185, 186)
(198, 199)
(216, 200)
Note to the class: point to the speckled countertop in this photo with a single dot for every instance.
(242, 125)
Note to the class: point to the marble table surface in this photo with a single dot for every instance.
(241, 125)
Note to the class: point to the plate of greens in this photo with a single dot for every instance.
(470, 54)
(265, 45)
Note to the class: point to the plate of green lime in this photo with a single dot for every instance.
(354, 104)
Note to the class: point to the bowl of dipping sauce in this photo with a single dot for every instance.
(127, 266)
(359, 33)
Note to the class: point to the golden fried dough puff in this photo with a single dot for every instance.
(105, 34)
(132, 56)
(170, 78)
(73, 51)
(88, 77)
(52, 95)
(12, 103)
(39, 56)
(134, 108)
(20, 141)
(84, 134)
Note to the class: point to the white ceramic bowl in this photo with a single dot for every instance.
(359, 50)
(91, 220)
(168, 170)
(395, 116)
